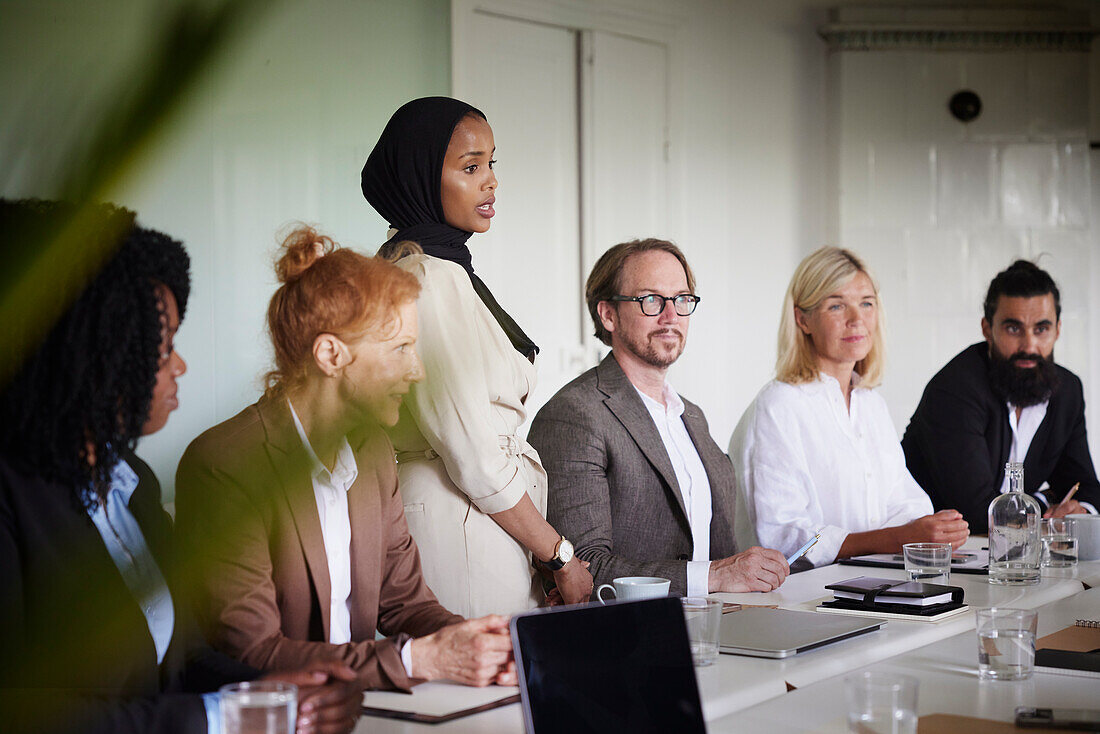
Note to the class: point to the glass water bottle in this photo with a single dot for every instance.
(1014, 541)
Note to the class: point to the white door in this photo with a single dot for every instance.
(625, 118)
(523, 76)
(580, 122)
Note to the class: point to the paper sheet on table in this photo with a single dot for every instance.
(439, 699)
(967, 561)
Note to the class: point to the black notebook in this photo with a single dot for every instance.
(890, 596)
(1071, 651)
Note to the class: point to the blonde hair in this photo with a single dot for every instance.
(821, 274)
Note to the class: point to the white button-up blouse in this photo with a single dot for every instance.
(805, 464)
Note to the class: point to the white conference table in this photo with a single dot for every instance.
(948, 674)
(737, 682)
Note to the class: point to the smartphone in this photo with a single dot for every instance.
(1037, 718)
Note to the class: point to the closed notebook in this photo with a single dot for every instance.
(913, 598)
(1072, 651)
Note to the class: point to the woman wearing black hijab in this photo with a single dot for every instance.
(474, 491)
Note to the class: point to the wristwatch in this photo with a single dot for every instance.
(563, 554)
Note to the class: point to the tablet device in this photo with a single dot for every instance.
(781, 633)
(624, 666)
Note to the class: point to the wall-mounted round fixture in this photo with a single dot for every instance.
(965, 105)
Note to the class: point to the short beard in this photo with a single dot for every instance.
(645, 350)
(1023, 386)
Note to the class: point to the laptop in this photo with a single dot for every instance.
(624, 666)
(781, 633)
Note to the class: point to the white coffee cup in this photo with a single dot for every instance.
(635, 587)
(1088, 536)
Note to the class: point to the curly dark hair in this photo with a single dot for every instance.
(85, 392)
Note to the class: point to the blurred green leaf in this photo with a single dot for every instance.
(41, 278)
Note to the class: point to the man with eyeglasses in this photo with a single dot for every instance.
(635, 478)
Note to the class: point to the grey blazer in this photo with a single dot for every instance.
(612, 490)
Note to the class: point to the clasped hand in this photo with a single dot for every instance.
(329, 697)
(476, 652)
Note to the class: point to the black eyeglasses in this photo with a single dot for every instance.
(653, 304)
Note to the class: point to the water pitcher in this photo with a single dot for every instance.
(1014, 541)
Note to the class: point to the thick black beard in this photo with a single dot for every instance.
(1023, 386)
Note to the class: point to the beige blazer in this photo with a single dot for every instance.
(247, 519)
(459, 458)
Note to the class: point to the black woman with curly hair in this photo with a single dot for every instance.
(92, 637)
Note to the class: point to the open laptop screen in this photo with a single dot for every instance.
(625, 666)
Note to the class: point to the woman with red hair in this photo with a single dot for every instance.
(291, 509)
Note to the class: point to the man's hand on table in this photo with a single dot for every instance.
(476, 652)
(756, 569)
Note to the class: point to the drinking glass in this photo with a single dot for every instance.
(928, 562)
(259, 707)
(1006, 643)
(1059, 535)
(703, 617)
(881, 703)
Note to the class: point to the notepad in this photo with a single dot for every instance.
(887, 598)
(437, 701)
(969, 561)
(1072, 651)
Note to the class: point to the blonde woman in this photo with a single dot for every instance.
(816, 450)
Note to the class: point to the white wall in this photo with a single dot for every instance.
(938, 207)
(279, 133)
(283, 133)
(747, 185)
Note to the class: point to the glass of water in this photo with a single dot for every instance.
(928, 562)
(1006, 643)
(703, 617)
(1059, 535)
(259, 707)
(881, 703)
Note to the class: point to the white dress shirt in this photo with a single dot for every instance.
(806, 463)
(694, 483)
(330, 489)
(126, 545)
(1023, 433)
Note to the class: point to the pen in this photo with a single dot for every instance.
(804, 549)
(1069, 495)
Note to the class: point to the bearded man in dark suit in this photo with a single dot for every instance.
(1002, 400)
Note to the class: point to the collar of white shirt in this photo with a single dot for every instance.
(673, 407)
(826, 381)
(345, 471)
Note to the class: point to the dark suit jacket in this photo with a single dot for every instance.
(612, 490)
(247, 515)
(958, 440)
(75, 650)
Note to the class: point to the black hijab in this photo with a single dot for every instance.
(402, 181)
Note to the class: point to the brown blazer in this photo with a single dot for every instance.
(247, 521)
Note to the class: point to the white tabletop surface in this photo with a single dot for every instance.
(737, 682)
(949, 683)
